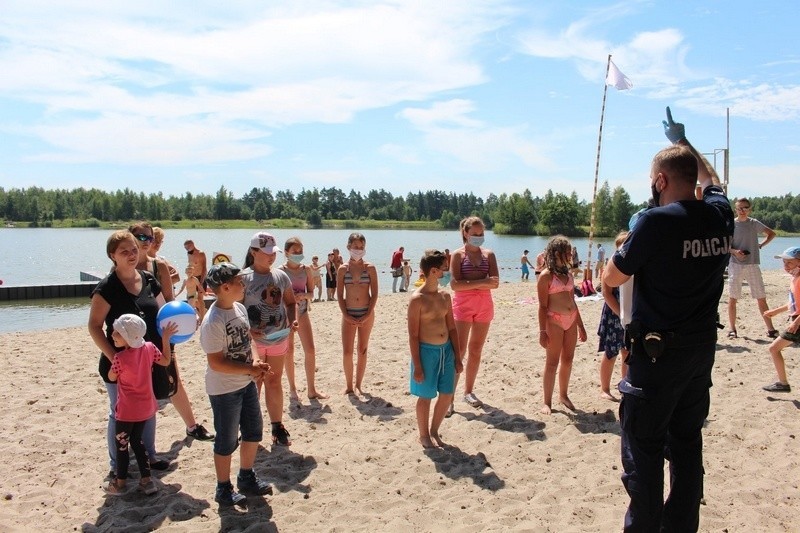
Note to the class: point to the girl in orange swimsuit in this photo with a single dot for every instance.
(560, 323)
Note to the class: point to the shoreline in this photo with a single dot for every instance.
(355, 464)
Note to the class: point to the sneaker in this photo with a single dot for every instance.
(112, 489)
(199, 433)
(777, 387)
(250, 484)
(149, 487)
(226, 496)
(159, 465)
(472, 400)
(279, 435)
(772, 334)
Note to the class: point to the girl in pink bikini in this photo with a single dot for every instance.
(474, 275)
(560, 323)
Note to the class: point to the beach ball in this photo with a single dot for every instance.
(183, 315)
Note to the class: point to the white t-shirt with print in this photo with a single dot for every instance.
(226, 331)
(263, 298)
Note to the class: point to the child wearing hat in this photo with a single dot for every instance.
(231, 380)
(791, 335)
(132, 369)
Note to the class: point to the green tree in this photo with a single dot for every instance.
(603, 213)
(516, 213)
(622, 209)
(559, 214)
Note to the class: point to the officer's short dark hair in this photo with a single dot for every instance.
(677, 162)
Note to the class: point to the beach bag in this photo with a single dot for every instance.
(165, 380)
(397, 272)
(587, 289)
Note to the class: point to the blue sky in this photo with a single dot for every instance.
(486, 96)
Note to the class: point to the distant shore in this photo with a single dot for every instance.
(293, 223)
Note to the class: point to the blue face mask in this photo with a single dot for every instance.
(295, 258)
(475, 241)
(444, 281)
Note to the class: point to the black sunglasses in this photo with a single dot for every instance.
(144, 237)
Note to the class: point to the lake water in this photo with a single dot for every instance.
(42, 256)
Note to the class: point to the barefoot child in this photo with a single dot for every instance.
(194, 292)
(406, 275)
(231, 378)
(612, 334)
(303, 287)
(791, 335)
(132, 369)
(357, 292)
(433, 341)
(316, 276)
(560, 323)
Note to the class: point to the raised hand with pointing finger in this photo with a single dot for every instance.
(674, 131)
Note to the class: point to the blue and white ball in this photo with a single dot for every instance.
(183, 315)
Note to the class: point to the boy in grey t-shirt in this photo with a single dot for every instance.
(231, 379)
(745, 265)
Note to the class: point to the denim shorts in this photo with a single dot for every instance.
(234, 411)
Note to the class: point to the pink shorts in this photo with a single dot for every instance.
(474, 305)
(274, 350)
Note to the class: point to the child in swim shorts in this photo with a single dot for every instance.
(433, 342)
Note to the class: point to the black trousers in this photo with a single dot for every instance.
(663, 409)
(130, 433)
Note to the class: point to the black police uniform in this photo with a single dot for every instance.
(677, 254)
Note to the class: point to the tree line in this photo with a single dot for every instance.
(521, 214)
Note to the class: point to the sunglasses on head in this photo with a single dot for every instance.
(143, 237)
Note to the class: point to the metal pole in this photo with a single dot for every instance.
(727, 145)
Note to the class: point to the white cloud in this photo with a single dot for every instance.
(649, 58)
(133, 140)
(764, 180)
(761, 102)
(449, 129)
(164, 73)
(656, 63)
(400, 153)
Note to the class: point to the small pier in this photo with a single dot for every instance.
(38, 292)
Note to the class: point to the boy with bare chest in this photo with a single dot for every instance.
(433, 342)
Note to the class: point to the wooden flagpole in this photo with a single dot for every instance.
(588, 272)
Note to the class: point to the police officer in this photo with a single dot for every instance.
(677, 251)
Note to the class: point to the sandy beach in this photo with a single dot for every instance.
(355, 464)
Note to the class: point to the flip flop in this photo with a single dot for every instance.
(732, 334)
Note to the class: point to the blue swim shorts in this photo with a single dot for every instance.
(439, 366)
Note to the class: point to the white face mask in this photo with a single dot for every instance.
(357, 255)
(474, 240)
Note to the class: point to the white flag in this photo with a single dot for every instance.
(617, 79)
